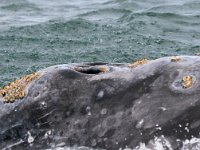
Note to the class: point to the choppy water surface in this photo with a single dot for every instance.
(38, 33)
(35, 34)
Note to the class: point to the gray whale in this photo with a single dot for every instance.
(106, 106)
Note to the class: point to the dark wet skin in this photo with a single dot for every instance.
(114, 109)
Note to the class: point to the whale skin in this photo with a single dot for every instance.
(106, 106)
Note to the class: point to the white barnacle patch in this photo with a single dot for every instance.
(193, 144)
(160, 143)
(163, 143)
(30, 138)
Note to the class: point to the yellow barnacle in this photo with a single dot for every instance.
(21, 94)
(137, 63)
(12, 84)
(16, 81)
(175, 58)
(7, 97)
(16, 89)
(13, 92)
(187, 81)
(28, 78)
(104, 69)
(2, 91)
(12, 97)
(6, 100)
(6, 88)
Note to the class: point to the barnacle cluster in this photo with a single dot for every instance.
(175, 58)
(103, 69)
(137, 63)
(197, 54)
(16, 89)
(187, 81)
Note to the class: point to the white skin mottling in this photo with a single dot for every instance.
(140, 124)
(163, 108)
(30, 138)
(88, 109)
(100, 94)
(187, 129)
(103, 111)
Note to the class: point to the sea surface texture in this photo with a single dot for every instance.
(35, 34)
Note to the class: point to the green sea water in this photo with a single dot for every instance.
(35, 34)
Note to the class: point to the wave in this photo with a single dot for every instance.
(21, 5)
(105, 15)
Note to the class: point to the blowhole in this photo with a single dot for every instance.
(92, 69)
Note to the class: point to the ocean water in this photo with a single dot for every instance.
(35, 34)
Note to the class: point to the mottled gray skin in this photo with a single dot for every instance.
(112, 110)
